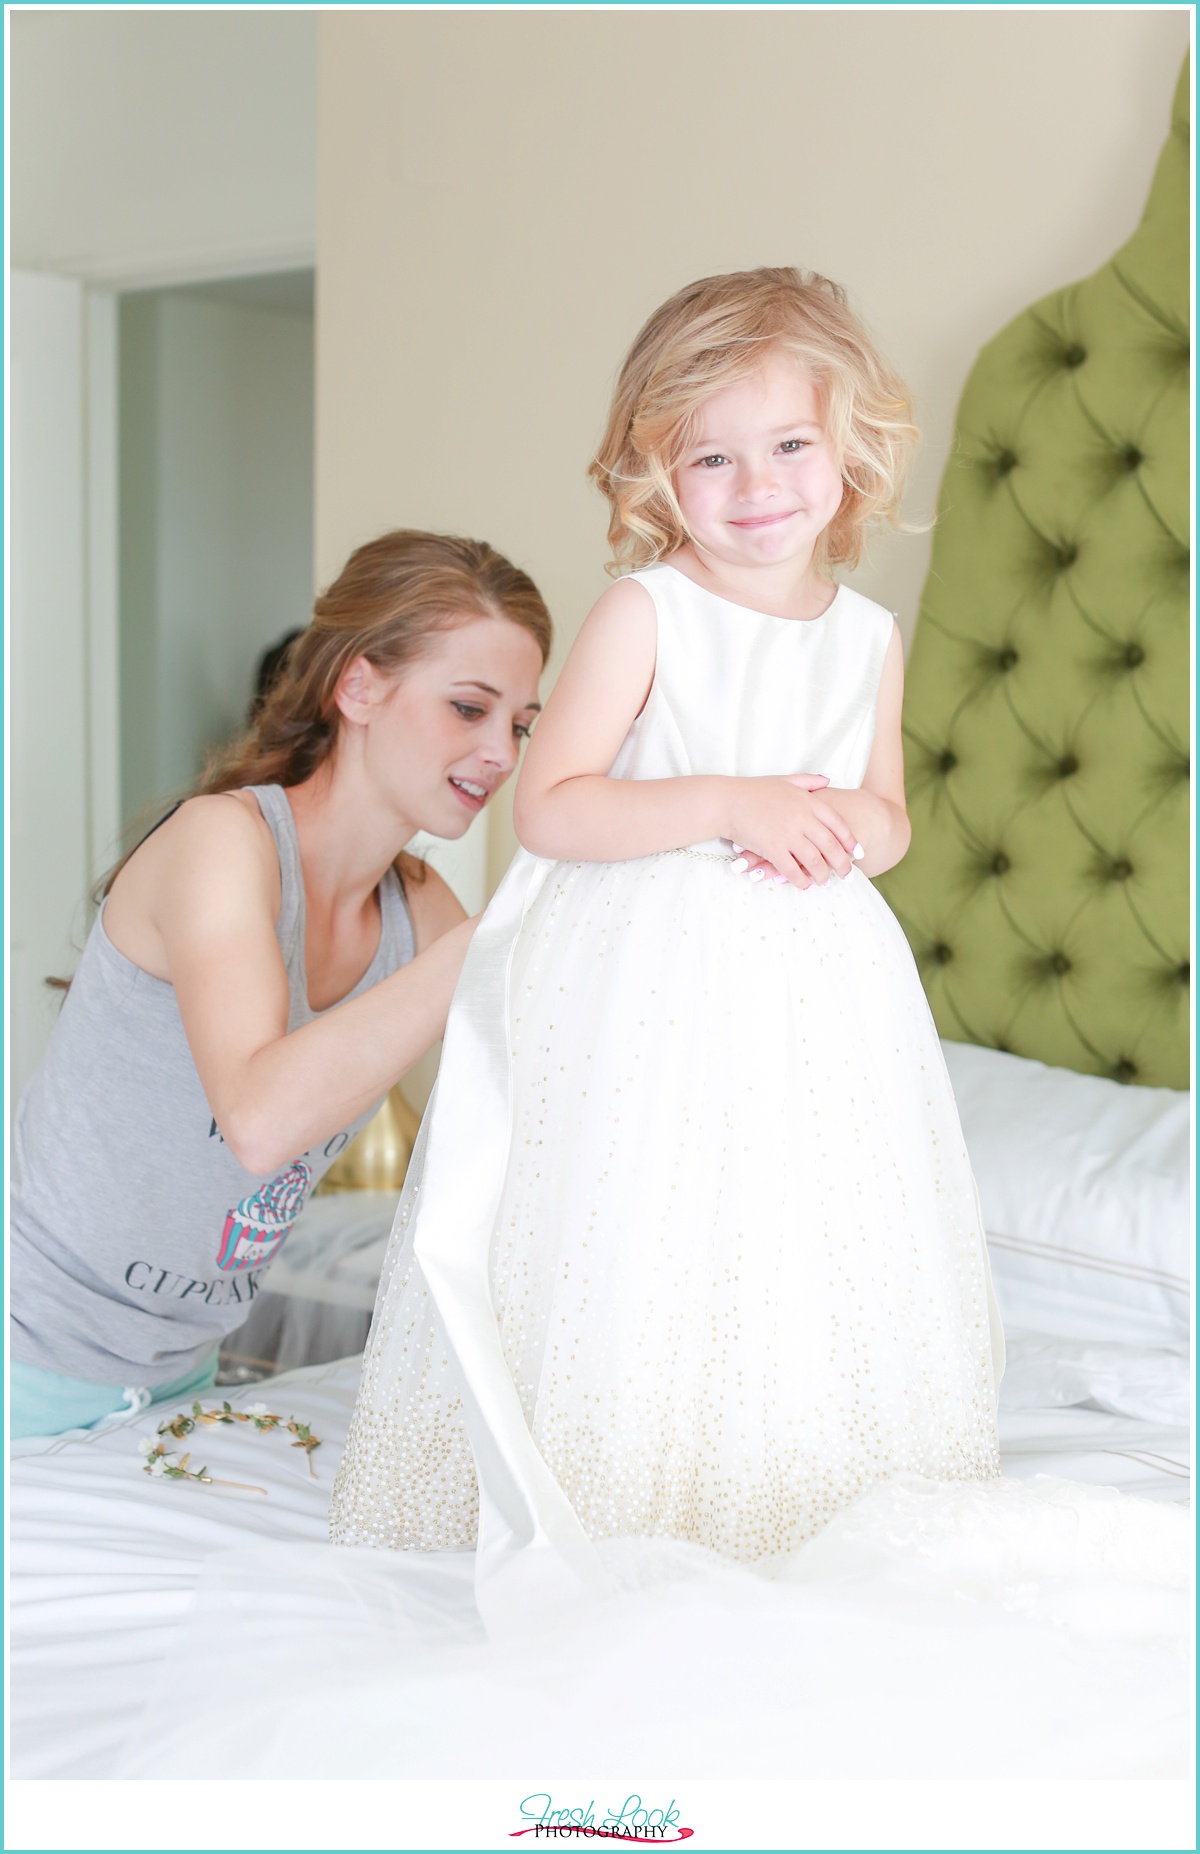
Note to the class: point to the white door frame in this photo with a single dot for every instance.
(51, 825)
(102, 644)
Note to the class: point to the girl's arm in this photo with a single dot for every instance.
(877, 809)
(566, 806)
(272, 1094)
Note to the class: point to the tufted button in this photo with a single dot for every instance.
(1067, 767)
(1006, 659)
(1065, 555)
(1074, 356)
(941, 953)
(1133, 656)
(1130, 458)
(947, 760)
(1004, 462)
(1124, 1070)
(1059, 963)
(1120, 870)
(1000, 864)
(1183, 973)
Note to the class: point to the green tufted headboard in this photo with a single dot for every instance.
(1045, 894)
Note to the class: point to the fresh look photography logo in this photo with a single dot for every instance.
(633, 1821)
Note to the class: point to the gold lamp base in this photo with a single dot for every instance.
(378, 1159)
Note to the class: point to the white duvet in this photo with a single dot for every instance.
(1034, 1628)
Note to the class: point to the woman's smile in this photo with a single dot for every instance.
(469, 793)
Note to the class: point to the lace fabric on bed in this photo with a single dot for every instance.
(995, 1629)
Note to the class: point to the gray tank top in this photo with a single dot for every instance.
(138, 1240)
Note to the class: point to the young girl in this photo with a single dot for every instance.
(691, 1246)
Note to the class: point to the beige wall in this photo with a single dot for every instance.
(503, 198)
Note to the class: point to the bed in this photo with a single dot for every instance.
(1045, 900)
(104, 1559)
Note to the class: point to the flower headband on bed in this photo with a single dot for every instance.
(159, 1457)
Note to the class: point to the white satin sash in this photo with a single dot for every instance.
(534, 1559)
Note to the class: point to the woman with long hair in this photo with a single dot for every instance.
(264, 966)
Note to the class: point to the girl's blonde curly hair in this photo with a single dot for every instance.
(717, 331)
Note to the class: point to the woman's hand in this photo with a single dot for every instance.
(785, 830)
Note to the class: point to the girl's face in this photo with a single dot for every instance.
(761, 481)
(443, 735)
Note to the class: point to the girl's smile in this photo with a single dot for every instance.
(762, 521)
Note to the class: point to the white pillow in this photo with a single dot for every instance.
(1084, 1187)
(1149, 1382)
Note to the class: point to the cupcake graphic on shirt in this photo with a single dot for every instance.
(255, 1230)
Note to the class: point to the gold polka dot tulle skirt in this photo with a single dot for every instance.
(736, 1269)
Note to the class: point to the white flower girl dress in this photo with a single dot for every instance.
(690, 1247)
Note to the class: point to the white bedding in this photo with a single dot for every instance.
(1084, 1185)
(103, 1560)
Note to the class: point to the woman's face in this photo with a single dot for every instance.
(446, 733)
(761, 481)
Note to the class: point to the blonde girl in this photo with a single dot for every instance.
(712, 1261)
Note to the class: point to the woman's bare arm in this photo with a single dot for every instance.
(273, 1094)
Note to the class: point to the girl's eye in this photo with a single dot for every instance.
(522, 729)
(710, 463)
(793, 444)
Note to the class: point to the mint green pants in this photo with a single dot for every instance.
(43, 1403)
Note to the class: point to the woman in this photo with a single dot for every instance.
(265, 965)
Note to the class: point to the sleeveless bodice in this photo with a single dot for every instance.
(740, 692)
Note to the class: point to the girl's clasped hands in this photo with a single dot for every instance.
(804, 839)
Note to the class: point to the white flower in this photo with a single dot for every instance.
(147, 1445)
(158, 1465)
(258, 1409)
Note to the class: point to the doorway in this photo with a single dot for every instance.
(216, 409)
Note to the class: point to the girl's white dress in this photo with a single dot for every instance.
(690, 1246)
